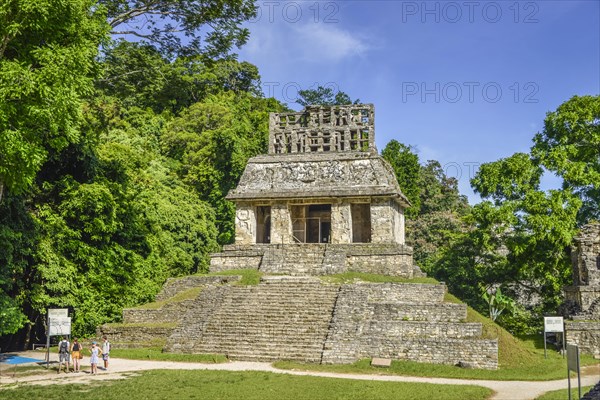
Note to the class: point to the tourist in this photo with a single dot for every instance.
(63, 354)
(95, 351)
(77, 355)
(105, 351)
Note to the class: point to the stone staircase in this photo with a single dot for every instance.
(281, 318)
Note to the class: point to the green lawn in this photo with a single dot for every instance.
(155, 353)
(215, 385)
(564, 393)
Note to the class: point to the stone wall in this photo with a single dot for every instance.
(135, 335)
(587, 299)
(585, 334)
(317, 259)
(169, 313)
(582, 303)
(586, 257)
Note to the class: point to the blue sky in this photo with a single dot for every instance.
(464, 82)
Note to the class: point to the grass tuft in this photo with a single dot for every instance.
(189, 294)
(249, 276)
(350, 277)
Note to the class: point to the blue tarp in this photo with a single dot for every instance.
(13, 359)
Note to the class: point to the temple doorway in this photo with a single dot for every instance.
(311, 223)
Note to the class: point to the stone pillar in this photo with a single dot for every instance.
(341, 223)
(382, 230)
(281, 224)
(245, 224)
(387, 222)
(398, 224)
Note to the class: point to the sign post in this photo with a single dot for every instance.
(58, 323)
(573, 365)
(553, 324)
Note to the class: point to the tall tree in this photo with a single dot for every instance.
(183, 27)
(569, 146)
(213, 140)
(325, 96)
(440, 216)
(47, 66)
(407, 170)
(139, 75)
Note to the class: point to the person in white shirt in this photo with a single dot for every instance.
(105, 351)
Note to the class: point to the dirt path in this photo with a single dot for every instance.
(121, 368)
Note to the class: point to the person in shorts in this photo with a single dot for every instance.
(63, 354)
(105, 351)
(77, 354)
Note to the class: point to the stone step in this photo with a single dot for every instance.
(479, 353)
(260, 342)
(263, 354)
(395, 292)
(232, 343)
(382, 329)
(443, 312)
(266, 331)
(282, 279)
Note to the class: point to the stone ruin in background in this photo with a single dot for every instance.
(321, 202)
(582, 299)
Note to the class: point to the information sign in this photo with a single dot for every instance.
(553, 324)
(60, 326)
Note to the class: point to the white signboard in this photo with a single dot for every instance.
(60, 326)
(58, 312)
(553, 324)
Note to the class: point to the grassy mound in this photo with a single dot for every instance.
(189, 294)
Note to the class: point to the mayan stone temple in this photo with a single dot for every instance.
(583, 297)
(321, 202)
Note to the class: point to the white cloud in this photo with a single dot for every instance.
(327, 43)
(305, 42)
